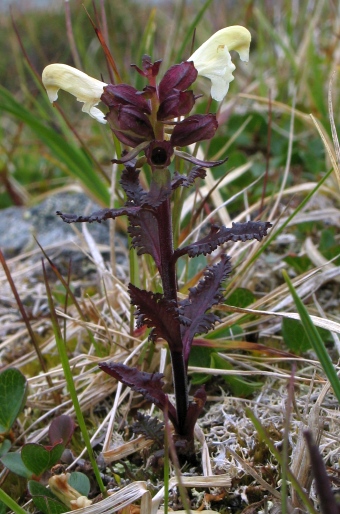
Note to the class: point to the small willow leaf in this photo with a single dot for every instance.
(13, 392)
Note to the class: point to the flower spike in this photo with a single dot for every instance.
(213, 60)
(85, 88)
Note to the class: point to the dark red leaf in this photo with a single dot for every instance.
(193, 129)
(194, 410)
(130, 183)
(179, 76)
(219, 235)
(187, 180)
(61, 430)
(128, 158)
(143, 230)
(207, 293)
(155, 311)
(207, 164)
(148, 384)
(98, 216)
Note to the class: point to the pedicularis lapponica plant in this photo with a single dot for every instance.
(153, 125)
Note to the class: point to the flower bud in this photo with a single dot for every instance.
(149, 69)
(193, 129)
(123, 94)
(178, 103)
(130, 125)
(179, 76)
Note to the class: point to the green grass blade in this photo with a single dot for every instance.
(274, 35)
(12, 504)
(72, 159)
(190, 30)
(315, 339)
(70, 385)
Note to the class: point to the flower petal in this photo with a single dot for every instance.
(159, 153)
(85, 88)
(212, 59)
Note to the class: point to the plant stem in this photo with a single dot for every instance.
(168, 270)
(169, 282)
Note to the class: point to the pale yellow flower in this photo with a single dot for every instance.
(213, 60)
(85, 88)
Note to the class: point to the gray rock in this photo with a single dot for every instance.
(19, 226)
(14, 231)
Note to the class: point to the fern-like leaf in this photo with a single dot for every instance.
(143, 229)
(207, 293)
(130, 183)
(188, 180)
(155, 311)
(150, 427)
(99, 216)
(220, 234)
(148, 384)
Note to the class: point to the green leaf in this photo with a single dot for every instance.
(327, 240)
(5, 447)
(241, 297)
(14, 463)
(3, 508)
(328, 245)
(233, 333)
(45, 500)
(315, 339)
(80, 483)
(238, 386)
(190, 30)
(39, 459)
(208, 358)
(13, 392)
(299, 263)
(200, 357)
(295, 337)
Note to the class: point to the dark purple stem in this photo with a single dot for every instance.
(169, 282)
